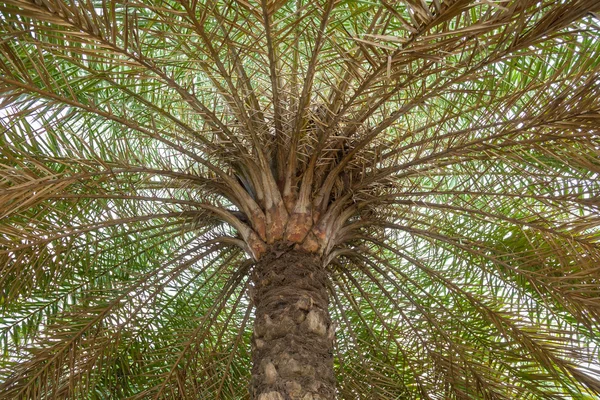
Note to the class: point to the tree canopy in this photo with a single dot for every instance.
(443, 155)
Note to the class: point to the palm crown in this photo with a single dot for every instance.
(440, 159)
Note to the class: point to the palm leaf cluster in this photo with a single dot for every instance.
(456, 142)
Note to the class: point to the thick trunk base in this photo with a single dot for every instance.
(293, 337)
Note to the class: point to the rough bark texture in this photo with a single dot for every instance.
(293, 336)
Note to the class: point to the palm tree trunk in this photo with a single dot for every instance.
(293, 337)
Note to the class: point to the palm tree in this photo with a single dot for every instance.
(385, 199)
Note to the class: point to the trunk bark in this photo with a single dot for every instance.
(292, 345)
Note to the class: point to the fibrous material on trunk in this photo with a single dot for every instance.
(292, 345)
